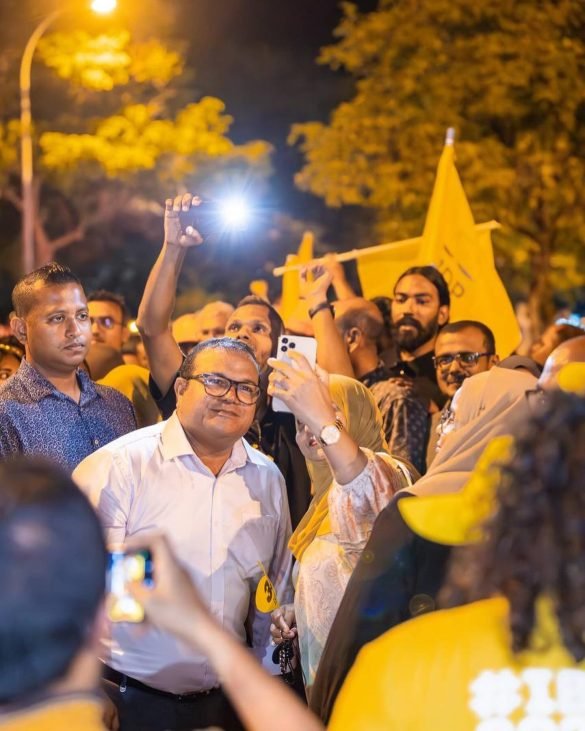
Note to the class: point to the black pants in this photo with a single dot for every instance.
(143, 710)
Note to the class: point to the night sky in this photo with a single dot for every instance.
(260, 58)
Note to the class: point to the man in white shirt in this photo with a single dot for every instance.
(222, 505)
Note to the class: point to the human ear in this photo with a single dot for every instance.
(18, 327)
(353, 338)
(180, 386)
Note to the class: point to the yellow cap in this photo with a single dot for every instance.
(571, 378)
(457, 518)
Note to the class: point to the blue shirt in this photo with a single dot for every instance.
(36, 418)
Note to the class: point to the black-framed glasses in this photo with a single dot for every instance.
(105, 321)
(465, 359)
(247, 393)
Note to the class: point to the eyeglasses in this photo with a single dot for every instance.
(465, 359)
(105, 321)
(218, 386)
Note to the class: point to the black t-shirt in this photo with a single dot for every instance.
(397, 577)
(274, 435)
(423, 371)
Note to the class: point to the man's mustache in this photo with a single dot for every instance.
(457, 378)
(409, 321)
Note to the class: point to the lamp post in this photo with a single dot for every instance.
(26, 146)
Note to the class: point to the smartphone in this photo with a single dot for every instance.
(297, 344)
(213, 218)
(124, 567)
(204, 217)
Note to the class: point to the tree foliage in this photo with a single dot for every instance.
(510, 77)
(104, 61)
(117, 131)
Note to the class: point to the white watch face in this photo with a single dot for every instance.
(330, 434)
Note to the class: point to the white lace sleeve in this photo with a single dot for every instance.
(353, 507)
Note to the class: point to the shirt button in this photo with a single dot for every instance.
(96, 442)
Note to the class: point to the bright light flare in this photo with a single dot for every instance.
(235, 213)
(103, 7)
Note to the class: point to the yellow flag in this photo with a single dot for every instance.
(462, 252)
(465, 257)
(259, 287)
(266, 599)
(291, 281)
(379, 272)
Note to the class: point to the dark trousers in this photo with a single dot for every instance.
(140, 709)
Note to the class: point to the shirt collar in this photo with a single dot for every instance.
(39, 387)
(174, 443)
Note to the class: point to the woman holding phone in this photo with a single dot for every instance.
(340, 434)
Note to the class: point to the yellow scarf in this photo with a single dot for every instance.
(364, 425)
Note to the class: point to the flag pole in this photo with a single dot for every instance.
(358, 253)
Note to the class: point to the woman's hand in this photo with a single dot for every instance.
(301, 389)
(283, 625)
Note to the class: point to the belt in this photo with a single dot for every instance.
(125, 681)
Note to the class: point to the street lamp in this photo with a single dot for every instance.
(26, 146)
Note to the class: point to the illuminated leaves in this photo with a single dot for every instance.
(509, 76)
(9, 142)
(138, 139)
(105, 61)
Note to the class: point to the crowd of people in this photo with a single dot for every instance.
(402, 548)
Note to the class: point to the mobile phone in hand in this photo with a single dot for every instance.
(124, 567)
(296, 344)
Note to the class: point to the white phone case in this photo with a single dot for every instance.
(298, 343)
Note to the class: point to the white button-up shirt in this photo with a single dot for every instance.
(220, 527)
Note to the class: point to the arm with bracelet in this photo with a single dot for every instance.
(332, 353)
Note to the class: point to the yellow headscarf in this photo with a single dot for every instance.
(364, 425)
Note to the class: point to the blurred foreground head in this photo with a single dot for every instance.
(52, 574)
(536, 540)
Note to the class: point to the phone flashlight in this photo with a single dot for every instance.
(215, 218)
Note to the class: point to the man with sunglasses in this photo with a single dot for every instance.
(222, 505)
(462, 349)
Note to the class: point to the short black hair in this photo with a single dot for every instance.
(48, 275)
(104, 295)
(52, 574)
(565, 331)
(277, 327)
(456, 327)
(435, 278)
(230, 345)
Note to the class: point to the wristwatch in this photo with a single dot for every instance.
(330, 433)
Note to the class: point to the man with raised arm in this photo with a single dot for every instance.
(254, 321)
